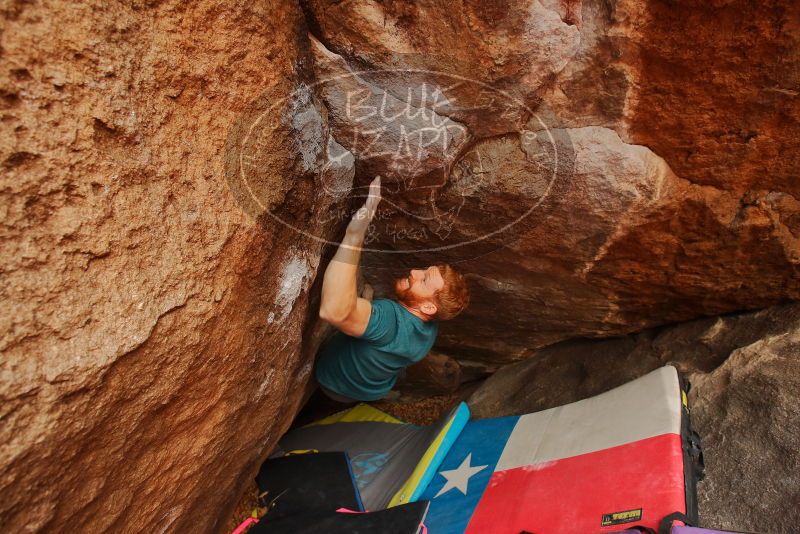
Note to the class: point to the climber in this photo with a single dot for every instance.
(377, 340)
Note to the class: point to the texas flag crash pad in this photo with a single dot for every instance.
(602, 464)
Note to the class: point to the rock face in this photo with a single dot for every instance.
(749, 411)
(576, 369)
(153, 332)
(744, 402)
(436, 374)
(609, 176)
(172, 173)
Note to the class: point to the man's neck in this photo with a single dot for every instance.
(416, 312)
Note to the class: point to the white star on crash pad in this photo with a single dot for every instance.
(459, 478)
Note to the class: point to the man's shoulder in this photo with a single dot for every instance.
(393, 309)
(387, 311)
(386, 303)
(383, 321)
(403, 316)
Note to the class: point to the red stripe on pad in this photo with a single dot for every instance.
(571, 495)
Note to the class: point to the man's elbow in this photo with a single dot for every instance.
(331, 316)
(324, 314)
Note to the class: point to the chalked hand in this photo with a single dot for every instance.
(363, 217)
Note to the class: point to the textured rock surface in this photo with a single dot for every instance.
(748, 410)
(576, 369)
(151, 340)
(745, 402)
(436, 374)
(674, 195)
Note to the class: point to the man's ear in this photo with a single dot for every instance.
(428, 308)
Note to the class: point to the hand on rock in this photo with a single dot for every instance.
(363, 217)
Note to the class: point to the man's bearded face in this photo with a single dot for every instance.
(418, 286)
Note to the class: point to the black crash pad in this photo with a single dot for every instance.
(403, 519)
(307, 483)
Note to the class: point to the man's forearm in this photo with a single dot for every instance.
(339, 288)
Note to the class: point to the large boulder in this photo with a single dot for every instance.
(580, 368)
(748, 411)
(610, 173)
(156, 322)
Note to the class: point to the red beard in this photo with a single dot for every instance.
(404, 295)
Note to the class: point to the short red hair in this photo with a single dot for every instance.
(453, 297)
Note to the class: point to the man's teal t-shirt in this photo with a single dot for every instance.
(366, 368)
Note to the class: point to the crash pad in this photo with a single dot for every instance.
(598, 465)
(392, 461)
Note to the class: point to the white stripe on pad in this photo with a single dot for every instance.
(647, 407)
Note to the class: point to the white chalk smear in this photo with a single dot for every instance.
(292, 282)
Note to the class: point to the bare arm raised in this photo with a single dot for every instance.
(340, 304)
